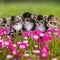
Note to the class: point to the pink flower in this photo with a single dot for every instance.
(22, 44)
(44, 49)
(37, 32)
(18, 54)
(11, 45)
(10, 38)
(47, 37)
(13, 51)
(25, 34)
(50, 30)
(44, 55)
(4, 31)
(35, 37)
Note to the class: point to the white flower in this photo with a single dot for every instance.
(25, 42)
(8, 36)
(49, 32)
(9, 56)
(25, 38)
(6, 43)
(1, 41)
(22, 46)
(0, 37)
(14, 45)
(36, 46)
(19, 42)
(26, 55)
(54, 58)
(41, 34)
(36, 51)
(35, 36)
(59, 36)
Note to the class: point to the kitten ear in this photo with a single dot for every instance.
(40, 17)
(34, 16)
(4, 20)
(45, 17)
(56, 18)
(21, 13)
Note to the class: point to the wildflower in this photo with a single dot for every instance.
(44, 55)
(25, 34)
(26, 55)
(35, 37)
(9, 56)
(54, 58)
(36, 51)
(14, 45)
(44, 49)
(18, 54)
(22, 44)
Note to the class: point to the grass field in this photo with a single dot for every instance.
(39, 8)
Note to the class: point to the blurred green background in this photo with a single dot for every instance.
(44, 7)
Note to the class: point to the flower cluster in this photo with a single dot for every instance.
(36, 38)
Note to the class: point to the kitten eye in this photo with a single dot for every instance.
(27, 20)
(50, 22)
(36, 22)
(42, 22)
(2, 25)
(7, 25)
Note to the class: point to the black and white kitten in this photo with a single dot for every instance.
(40, 23)
(17, 24)
(29, 23)
(3, 22)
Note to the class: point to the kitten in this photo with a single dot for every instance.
(17, 24)
(52, 21)
(40, 23)
(3, 22)
(29, 23)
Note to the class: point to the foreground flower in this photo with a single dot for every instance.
(36, 51)
(22, 44)
(35, 37)
(9, 56)
(44, 49)
(54, 58)
(44, 55)
(25, 34)
(26, 55)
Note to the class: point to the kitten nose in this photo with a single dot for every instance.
(39, 24)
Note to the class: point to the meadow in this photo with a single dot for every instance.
(38, 8)
(8, 9)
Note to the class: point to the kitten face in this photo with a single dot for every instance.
(14, 20)
(17, 23)
(28, 21)
(40, 24)
(17, 26)
(28, 24)
(3, 22)
(52, 22)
